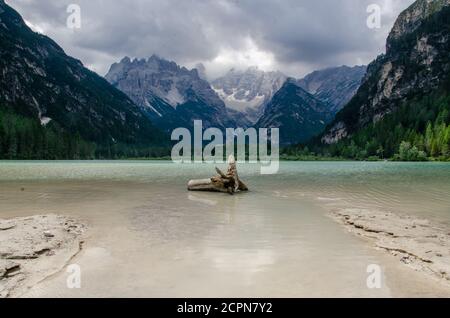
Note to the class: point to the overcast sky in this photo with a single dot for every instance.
(293, 36)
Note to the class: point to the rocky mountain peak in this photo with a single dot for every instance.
(411, 18)
(249, 90)
(160, 77)
(171, 94)
(201, 70)
(126, 60)
(416, 64)
(334, 86)
(297, 113)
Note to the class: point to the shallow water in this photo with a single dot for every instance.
(150, 237)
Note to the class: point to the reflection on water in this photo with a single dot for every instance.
(197, 198)
(150, 237)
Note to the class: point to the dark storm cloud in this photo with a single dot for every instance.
(295, 35)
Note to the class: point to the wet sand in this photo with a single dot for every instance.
(32, 249)
(417, 243)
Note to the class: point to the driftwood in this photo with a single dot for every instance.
(227, 183)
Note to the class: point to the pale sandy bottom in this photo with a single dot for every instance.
(148, 237)
(154, 239)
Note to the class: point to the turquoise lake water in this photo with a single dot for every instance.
(149, 236)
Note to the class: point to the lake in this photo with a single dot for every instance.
(149, 237)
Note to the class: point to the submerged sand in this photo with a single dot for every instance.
(149, 237)
(34, 248)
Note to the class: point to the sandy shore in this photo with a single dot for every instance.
(415, 242)
(35, 248)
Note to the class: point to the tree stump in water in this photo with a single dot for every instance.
(227, 183)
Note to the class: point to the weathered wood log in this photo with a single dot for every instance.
(206, 185)
(227, 183)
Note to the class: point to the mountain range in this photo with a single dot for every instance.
(51, 106)
(174, 96)
(141, 99)
(299, 115)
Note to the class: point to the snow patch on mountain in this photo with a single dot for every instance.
(248, 91)
(240, 105)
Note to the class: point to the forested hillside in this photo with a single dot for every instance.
(50, 103)
(401, 110)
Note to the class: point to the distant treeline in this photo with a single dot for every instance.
(419, 130)
(26, 138)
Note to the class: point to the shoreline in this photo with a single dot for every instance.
(415, 242)
(282, 158)
(34, 248)
(53, 241)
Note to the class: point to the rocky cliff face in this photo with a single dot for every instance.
(172, 96)
(38, 80)
(412, 18)
(416, 63)
(298, 114)
(248, 91)
(334, 86)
